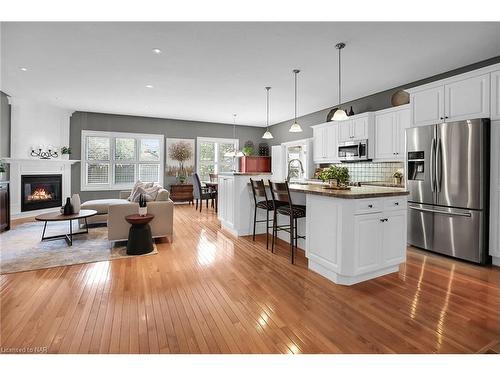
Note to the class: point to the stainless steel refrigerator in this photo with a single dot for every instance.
(448, 179)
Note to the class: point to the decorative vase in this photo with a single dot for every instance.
(68, 208)
(76, 203)
(182, 179)
(2, 176)
(143, 211)
(333, 183)
(65, 156)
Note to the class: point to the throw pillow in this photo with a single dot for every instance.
(133, 194)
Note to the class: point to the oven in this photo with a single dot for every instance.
(353, 151)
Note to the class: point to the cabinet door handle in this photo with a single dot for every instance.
(441, 118)
(370, 206)
(383, 220)
(396, 203)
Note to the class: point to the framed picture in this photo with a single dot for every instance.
(180, 157)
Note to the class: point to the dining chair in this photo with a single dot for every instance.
(201, 193)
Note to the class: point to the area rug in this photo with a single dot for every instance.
(22, 250)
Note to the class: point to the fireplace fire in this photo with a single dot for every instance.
(41, 191)
(40, 194)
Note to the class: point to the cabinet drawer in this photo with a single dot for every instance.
(364, 206)
(396, 203)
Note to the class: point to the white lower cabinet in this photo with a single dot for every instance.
(225, 196)
(367, 242)
(353, 240)
(378, 240)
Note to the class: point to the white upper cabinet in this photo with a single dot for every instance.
(390, 127)
(325, 143)
(359, 128)
(344, 130)
(331, 142)
(427, 106)
(356, 128)
(403, 121)
(495, 95)
(467, 96)
(467, 99)
(385, 137)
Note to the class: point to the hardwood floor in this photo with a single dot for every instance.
(209, 292)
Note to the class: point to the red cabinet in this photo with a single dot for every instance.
(255, 164)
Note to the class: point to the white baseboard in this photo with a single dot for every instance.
(495, 261)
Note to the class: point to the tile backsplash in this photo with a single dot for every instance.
(371, 172)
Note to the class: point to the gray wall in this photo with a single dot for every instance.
(134, 124)
(375, 102)
(4, 127)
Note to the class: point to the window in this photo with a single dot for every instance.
(210, 153)
(114, 161)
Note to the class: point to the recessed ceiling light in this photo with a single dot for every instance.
(23, 69)
(156, 51)
(149, 86)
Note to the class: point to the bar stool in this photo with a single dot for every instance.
(283, 202)
(259, 191)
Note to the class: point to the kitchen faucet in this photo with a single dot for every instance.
(289, 168)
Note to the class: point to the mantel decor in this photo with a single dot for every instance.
(44, 154)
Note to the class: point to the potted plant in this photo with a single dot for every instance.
(398, 177)
(65, 152)
(335, 175)
(249, 148)
(180, 152)
(143, 208)
(2, 171)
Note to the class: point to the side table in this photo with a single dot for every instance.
(140, 240)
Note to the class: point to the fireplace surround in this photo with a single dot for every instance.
(41, 191)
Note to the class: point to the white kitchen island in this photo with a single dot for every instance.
(351, 236)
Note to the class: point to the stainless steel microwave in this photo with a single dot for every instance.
(353, 150)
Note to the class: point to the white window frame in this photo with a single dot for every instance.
(112, 162)
(200, 140)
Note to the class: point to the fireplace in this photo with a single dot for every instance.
(41, 191)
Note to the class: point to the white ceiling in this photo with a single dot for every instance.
(208, 71)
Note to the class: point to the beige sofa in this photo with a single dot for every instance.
(113, 212)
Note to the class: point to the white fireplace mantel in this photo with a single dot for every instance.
(29, 166)
(37, 160)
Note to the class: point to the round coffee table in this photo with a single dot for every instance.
(56, 216)
(140, 239)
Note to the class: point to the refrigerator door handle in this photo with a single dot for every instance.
(439, 165)
(433, 164)
(465, 214)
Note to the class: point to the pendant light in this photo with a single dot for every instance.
(340, 114)
(267, 134)
(295, 128)
(235, 152)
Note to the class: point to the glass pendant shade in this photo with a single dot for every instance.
(267, 135)
(340, 115)
(295, 128)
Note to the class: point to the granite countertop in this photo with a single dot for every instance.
(245, 173)
(353, 193)
(384, 184)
